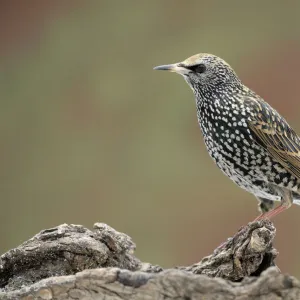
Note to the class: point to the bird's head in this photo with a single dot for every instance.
(204, 71)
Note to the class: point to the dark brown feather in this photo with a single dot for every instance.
(273, 133)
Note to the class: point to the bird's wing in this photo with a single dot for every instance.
(274, 134)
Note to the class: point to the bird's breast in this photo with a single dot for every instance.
(229, 141)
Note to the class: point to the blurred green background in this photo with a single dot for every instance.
(89, 132)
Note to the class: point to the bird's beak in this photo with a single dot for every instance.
(177, 68)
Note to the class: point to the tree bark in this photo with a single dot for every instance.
(72, 262)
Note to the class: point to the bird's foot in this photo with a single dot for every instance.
(240, 231)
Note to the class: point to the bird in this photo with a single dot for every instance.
(248, 139)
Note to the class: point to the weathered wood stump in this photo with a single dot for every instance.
(73, 262)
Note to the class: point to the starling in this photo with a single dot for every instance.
(248, 139)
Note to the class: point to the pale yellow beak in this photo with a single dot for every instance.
(177, 68)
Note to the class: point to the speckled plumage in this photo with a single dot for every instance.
(248, 140)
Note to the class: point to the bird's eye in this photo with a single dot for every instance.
(201, 68)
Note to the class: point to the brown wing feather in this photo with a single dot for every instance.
(273, 133)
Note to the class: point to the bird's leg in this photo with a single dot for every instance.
(260, 217)
(280, 208)
(286, 202)
(264, 206)
(276, 211)
(267, 210)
